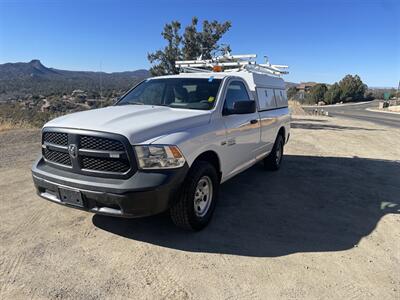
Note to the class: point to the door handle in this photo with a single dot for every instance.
(255, 121)
(231, 142)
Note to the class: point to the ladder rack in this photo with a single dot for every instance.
(230, 63)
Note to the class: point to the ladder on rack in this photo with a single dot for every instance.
(230, 63)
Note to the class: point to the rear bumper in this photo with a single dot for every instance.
(144, 193)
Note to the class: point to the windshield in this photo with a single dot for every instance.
(192, 93)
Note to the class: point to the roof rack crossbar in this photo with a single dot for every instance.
(230, 63)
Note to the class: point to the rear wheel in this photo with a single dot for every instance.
(195, 205)
(274, 160)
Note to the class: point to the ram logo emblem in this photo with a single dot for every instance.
(73, 150)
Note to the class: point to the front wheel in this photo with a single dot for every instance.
(195, 205)
(274, 160)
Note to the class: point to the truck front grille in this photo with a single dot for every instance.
(100, 154)
(57, 157)
(105, 164)
(56, 138)
(99, 143)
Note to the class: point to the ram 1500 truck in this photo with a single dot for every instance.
(166, 145)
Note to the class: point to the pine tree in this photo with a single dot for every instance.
(191, 45)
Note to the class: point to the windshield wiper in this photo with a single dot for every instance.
(133, 103)
(141, 103)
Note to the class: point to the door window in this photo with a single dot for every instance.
(236, 92)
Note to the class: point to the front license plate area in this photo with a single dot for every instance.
(70, 196)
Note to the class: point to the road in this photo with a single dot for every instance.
(359, 112)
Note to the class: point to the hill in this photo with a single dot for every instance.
(17, 80)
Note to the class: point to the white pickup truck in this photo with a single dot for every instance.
(167, 144)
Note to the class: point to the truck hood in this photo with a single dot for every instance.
(139, 123)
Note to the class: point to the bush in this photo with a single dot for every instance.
(333, 94)
(291, 92)
(349, 89)
(352, 88)
(317, 93)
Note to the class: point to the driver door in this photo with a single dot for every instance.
(243, 131)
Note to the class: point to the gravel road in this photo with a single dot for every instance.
(326, 226)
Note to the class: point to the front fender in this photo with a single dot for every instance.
(195, 141)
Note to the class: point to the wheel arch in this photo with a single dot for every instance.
(211, 157)
(282, 132)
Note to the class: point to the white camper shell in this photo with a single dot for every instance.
(269, 90)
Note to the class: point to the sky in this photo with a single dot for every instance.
(320, 40)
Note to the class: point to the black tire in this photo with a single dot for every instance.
(274, 160)
(182, 210)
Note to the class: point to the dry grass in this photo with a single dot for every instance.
(295, 108)
(11, 124)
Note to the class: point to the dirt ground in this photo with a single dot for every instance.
(326, 226)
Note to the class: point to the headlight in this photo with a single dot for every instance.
(159, 157)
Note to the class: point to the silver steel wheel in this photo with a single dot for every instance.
(278, 155)
(203, 196)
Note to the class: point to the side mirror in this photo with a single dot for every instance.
(241, 107)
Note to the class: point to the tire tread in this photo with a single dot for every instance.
(180, 210)
(270, 162)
